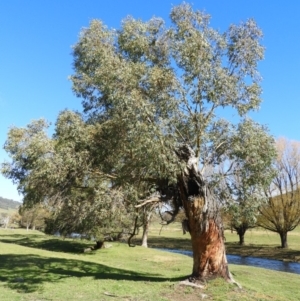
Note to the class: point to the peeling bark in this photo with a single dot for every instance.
(204, 222)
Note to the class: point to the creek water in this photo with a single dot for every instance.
(271, 264)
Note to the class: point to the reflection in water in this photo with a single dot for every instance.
(291, 267)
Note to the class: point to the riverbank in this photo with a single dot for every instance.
(258, 242)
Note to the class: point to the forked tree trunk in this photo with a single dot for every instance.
(205, 225)
(283, 238)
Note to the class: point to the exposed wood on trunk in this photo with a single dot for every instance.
(203, 219)
(204, 222)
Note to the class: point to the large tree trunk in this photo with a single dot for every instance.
(283, 238)
(204, 221)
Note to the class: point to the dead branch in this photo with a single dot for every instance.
(155, 199)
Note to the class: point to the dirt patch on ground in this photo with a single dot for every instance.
(185, 293)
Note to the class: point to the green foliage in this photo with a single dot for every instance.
(245, 173)
(148, 91)
(153, 88)
(33, 216)
(60, 173)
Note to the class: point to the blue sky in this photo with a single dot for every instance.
(36, 56)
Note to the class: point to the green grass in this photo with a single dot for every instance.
(37, 267)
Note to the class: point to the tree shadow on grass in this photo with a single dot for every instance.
(77, 246)
(44, 243)
(26, 273)
(167, 243)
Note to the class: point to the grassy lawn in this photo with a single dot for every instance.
(37, 267)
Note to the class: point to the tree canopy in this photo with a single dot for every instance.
(152, 128)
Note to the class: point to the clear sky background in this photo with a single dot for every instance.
(36, 38)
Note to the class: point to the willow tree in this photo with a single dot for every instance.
(157, 94)
(281, 212)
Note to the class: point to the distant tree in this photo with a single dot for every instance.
(33, 217)
(16, 219)
(239, 192)
(242, 198)
(26, 218)
(242, 216)
(4, 219)
(281, 212)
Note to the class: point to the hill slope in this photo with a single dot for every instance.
(8, 204)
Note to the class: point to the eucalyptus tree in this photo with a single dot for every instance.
(157, 94)
(242, 215)
(281, 212)
(33, 216)
(29, 149)
(59, 173)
